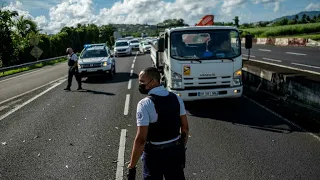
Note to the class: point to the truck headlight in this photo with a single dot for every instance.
(176, 80)
(237, 78)
(79, 66)
(105, 64)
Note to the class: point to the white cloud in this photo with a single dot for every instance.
(269, 3)
(72, 12)
(313, 7)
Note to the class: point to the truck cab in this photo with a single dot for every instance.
(201, 62)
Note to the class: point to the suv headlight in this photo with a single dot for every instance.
(79, 66)
(237, 78)
(176, 82)
(104, 64)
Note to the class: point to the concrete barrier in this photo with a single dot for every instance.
(281, 42)
(312, 43)
(285, 41)
(297, 86)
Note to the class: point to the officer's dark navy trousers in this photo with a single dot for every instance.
(72, 73)
(163, 163)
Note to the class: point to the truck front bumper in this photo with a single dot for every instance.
(192, 95)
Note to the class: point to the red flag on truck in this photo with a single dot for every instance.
(207, 20)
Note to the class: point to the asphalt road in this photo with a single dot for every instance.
(305, 58)
(53, 134)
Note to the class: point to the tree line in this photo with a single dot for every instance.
(15, 33)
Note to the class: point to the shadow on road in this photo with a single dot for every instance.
(96, 92)
(240, 112)
(119, 77)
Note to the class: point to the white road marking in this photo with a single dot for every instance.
(120, 163)
(30, 100)
(132, 66)
(15, 77)
(126, 105)
(267, 50)
(250, 55)
(32, 90)
(305, 65)
(299, 54)
(288, 67)
(283, 118)
(3, 107)
(129, 84)
(131, 72)
(275, 60)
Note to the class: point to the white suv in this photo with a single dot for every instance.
(122, 47)
(134, 44)
(96, 60)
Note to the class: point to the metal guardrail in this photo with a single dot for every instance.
(29, 64)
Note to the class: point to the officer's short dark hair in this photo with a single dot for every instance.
(152, 73)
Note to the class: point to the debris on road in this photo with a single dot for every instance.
(4, 143)
(116, 127)
(36, 137)
(39, 155)
(89, 157)
(24, 141)
(67, 166)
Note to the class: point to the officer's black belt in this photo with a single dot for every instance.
(164, 146)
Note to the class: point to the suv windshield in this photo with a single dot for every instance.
(206, 44)
(93, 53)
(118, 44)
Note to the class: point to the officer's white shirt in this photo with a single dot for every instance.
(73, 57)
(146, 112)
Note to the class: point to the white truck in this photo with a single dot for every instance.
(201, 62)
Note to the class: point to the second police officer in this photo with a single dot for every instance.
(73, 69)
(162, 131)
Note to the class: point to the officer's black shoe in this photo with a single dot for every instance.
(67, 89)
(79, 88)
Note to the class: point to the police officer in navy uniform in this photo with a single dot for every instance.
(162, 131)
(73, 69)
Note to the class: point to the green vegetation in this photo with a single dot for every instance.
(39, 65)
(286, 30)
(15, 34)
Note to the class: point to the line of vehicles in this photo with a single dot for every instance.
(97, 59)
(196, 62)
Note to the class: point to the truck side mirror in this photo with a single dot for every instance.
(161, 45)
(248, 41)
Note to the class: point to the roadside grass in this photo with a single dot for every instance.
(28, 68)
(298, 30)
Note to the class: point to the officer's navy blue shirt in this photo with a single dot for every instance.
(146, 112)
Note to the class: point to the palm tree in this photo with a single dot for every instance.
(25, 26)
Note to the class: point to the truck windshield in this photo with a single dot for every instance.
(205, 44)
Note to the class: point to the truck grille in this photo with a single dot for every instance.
(207, 82)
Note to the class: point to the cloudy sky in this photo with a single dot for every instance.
(52, 15)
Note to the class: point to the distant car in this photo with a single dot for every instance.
(144, 47)
(122, 47)
(134, 44)
(96, 60)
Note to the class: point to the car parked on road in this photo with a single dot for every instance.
(134, 44)
(122, 47)
(144, 47)
(96, 60)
